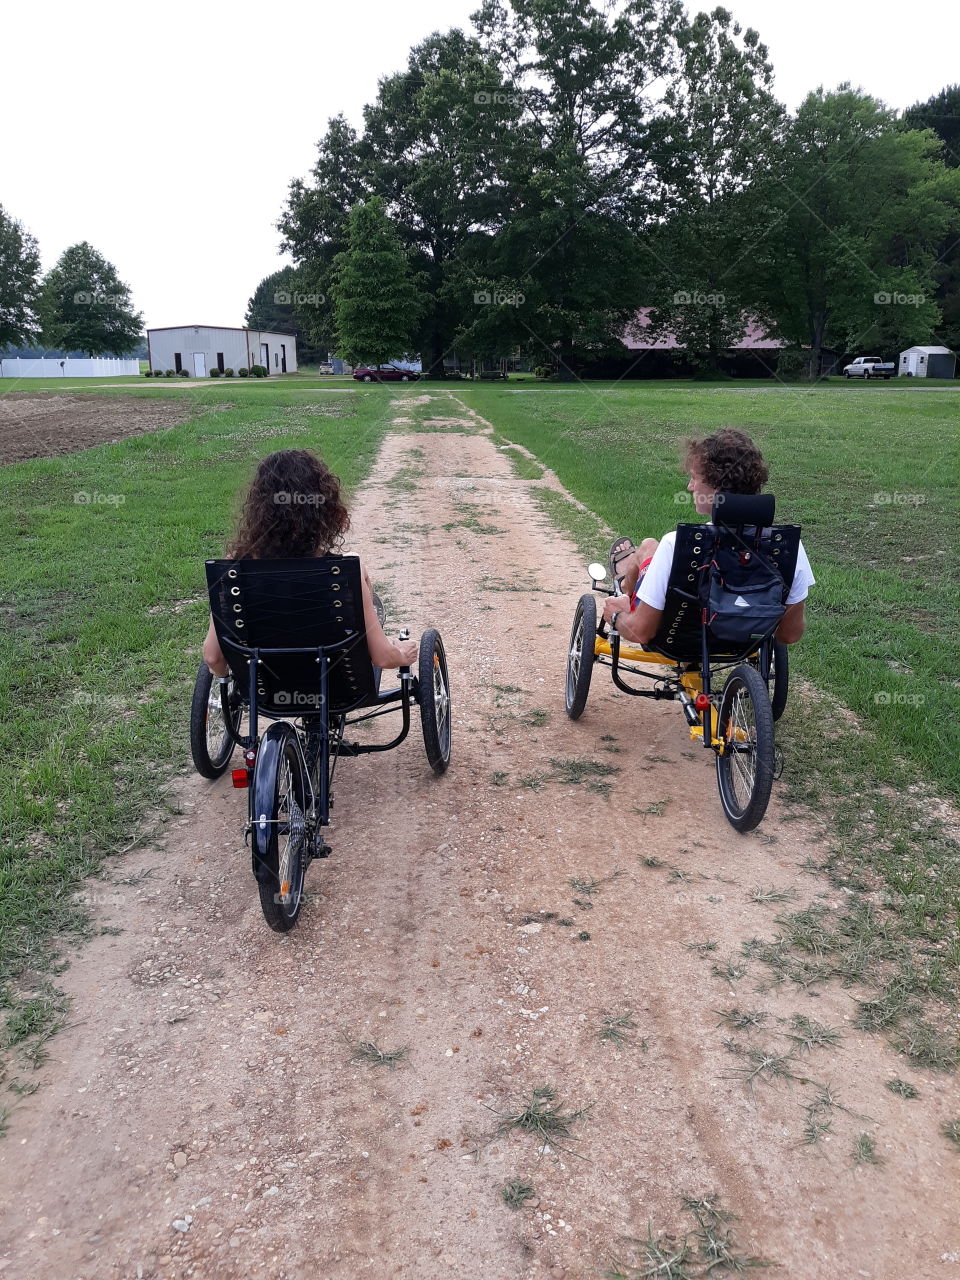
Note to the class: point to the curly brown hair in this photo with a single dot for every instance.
(727, 462)
(293, 508)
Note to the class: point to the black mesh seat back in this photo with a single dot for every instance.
(307, 602)
(678, 635)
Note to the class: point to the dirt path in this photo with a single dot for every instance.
(201, 1116)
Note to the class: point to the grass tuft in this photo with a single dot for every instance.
(615, 1028)
(902, 1088)
(516, 1192)
(367, 1051)
(543, 1116)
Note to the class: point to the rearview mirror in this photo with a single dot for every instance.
(597, 572)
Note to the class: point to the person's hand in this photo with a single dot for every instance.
(410, 651)
(614, 604)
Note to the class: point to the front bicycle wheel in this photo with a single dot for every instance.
(214, 723)
(434, 685)
(580, 655)
(746, 765)
(283, 863)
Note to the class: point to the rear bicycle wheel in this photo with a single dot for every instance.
(214, 723)
(434, 686)
(580, 655)
(745, 767)
(283, 864)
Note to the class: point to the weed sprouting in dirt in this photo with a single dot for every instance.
(771, 894)
(865, 1150)
(543, 1116)
(902, 1088)
(766, 1065)
(589, 887)
(499, 777)
(731, 970)
(741, 1019)
(950, 1129)
(808, 1034)
(367, 1051)
(616, 1028)
(653, 861)
(927, 1047)
(703, 948)
(710, 1252)
(535, 718)
(516, 1192)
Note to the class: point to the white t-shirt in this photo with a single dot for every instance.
(653, 586)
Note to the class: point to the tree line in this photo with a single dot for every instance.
(531, 183)
(81, 304)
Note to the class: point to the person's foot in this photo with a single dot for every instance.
(621, 549)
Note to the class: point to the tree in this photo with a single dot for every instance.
(279, 303)
(941, 114)
(577, 168)
(377, 303)
(721, 118)
(314, 222)
(854, 210)
(19, 268)
(85, 306)
(433, 148)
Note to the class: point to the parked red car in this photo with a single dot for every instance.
(384, 373)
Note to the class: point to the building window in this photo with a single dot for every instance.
(177, 362)
(220, 361)
(276, 360)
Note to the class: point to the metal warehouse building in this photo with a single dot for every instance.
(200, 348)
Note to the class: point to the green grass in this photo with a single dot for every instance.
(103, 610)
(884, 615)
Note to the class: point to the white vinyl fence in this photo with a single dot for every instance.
(105, 368)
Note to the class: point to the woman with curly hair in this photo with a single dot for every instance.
(726, 462)
(294, 508)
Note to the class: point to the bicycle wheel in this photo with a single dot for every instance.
(746, 765)
(580, 656)
(214, 723)
(434, 686)
(780, 676)
(283, 859)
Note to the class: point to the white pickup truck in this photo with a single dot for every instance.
(869, 367)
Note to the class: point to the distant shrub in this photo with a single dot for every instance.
(258, 371)
(792, 364)
(228, 373)
(184, 374)
(243, 372)
(542, 371)
(169, 373)
(148, 373)
(215, 372)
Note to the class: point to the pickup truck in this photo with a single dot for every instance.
(869, 367)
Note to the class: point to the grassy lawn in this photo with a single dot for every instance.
(872, 474)
(103, 609)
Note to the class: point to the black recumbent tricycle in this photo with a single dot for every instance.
(725, 597)
(293, 635)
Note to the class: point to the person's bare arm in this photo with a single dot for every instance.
(792, 624)
(213, 654)
(640, 626)
(384, 652)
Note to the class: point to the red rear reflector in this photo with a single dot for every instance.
(241, 778)
(701, 702)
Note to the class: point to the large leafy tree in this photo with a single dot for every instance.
(434, 148)
(377, 302)
(579, 173)
(85, 306)
(941, 114)
(19, 270)
(855, 210)
(278, 304)
(720, 119)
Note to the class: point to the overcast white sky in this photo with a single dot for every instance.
(166, 135)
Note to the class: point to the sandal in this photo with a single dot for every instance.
(621, 547)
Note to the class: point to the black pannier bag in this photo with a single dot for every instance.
(743, 592)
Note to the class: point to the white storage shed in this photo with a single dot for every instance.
(927, 362)
(198, 348)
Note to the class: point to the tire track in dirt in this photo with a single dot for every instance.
(206, 1071)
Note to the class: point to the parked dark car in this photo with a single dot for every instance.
(384, 373)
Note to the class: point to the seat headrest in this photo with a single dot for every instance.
(743, 508)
